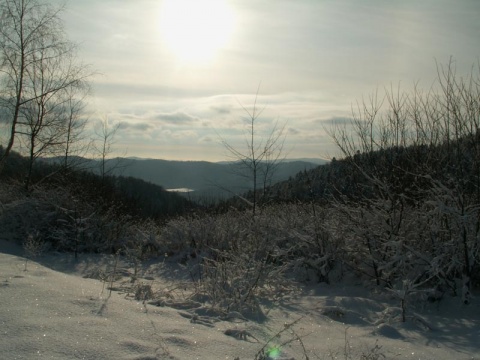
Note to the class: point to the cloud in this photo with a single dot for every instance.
(124, 125)
(125, 89)
(336, 120)
(177, 118)
(292, 131)
(5, 118)
(221, 109)
(206, 139)
(186, 134)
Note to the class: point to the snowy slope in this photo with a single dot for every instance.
(52, 314)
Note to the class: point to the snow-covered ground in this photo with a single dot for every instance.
(63, 309)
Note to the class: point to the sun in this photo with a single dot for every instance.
(196, 29)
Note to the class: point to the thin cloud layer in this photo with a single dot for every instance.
(177, 118)
(312, 59)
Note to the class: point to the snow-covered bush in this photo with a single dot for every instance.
(454, 232)
(415, 213)
(233, 258)
(141, 244)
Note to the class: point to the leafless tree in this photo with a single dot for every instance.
(261, 155)
(76, 144)
(32, 41)
(47, 120)
(105, 133)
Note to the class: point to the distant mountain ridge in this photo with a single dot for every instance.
(316, 161)
(210, 179)
(205, 178)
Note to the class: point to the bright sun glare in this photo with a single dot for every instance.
(196, 29)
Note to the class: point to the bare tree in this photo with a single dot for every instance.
(105, 139)
(46, 121)
(261, 155)
(274, 155)
(32, 40)
(42, 130)
(76, 144)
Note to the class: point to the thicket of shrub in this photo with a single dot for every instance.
(401, 210)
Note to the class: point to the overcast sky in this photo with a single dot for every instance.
(175, 73)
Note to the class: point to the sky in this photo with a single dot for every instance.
(178, 75)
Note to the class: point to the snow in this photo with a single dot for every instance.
(56, 310)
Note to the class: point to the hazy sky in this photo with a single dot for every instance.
(175, 73)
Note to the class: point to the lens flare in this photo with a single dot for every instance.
(273, 352)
